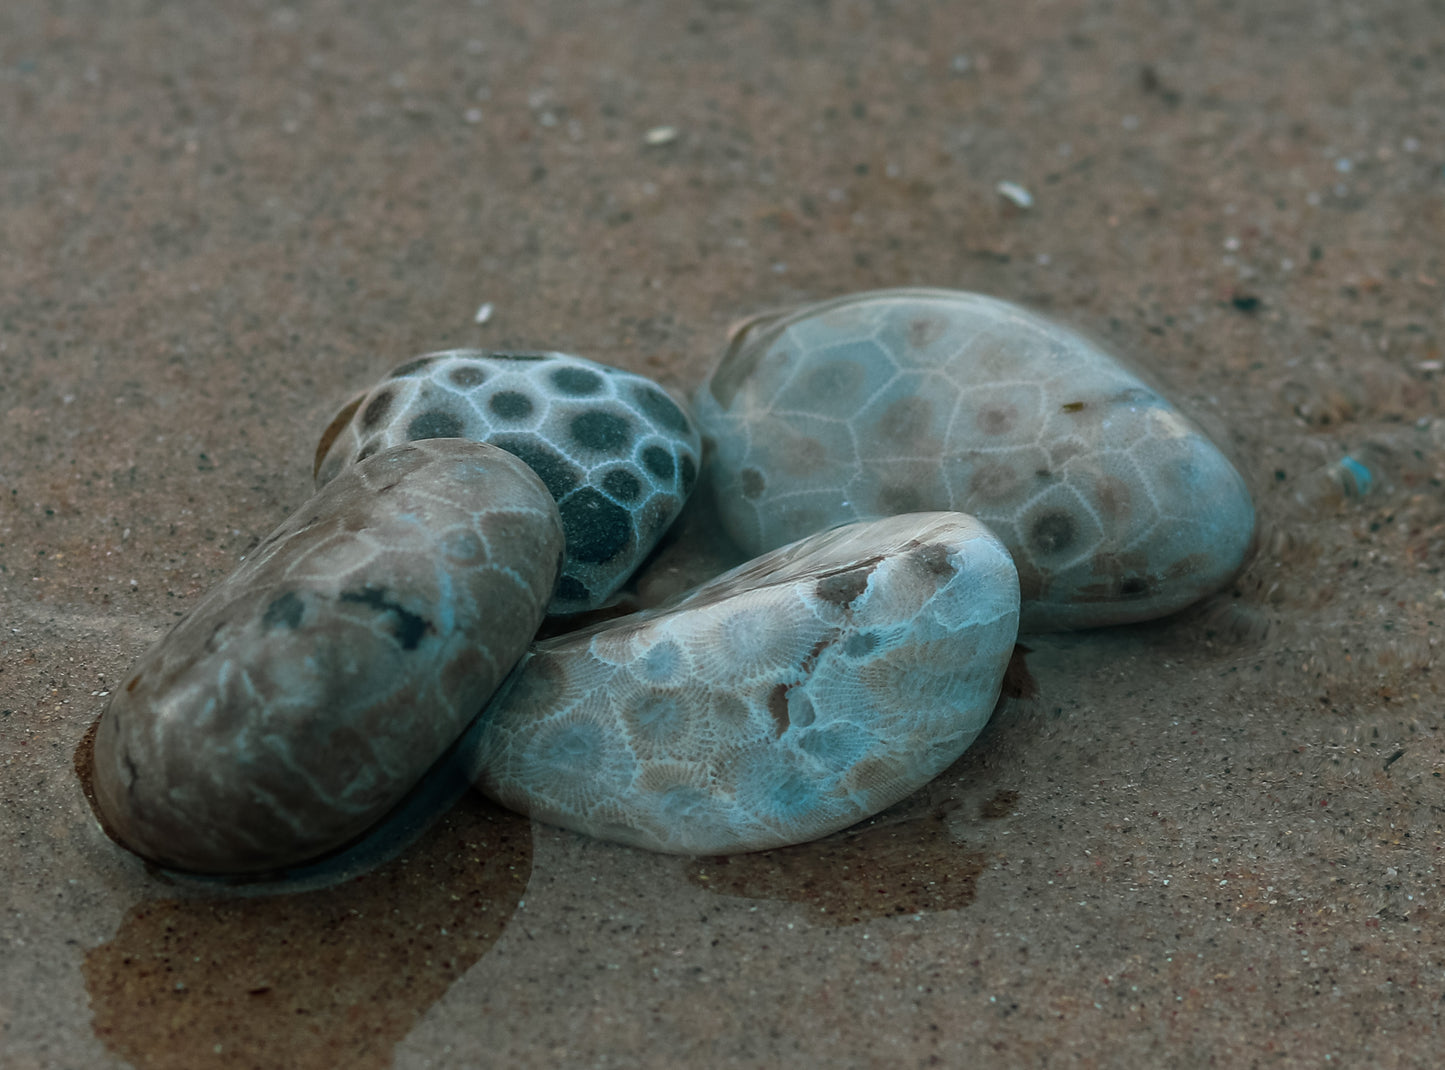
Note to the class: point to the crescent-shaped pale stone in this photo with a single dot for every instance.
(785, 699)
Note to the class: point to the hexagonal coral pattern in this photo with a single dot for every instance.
(782, 701)
(305, 695)
(1114, 506)
(617, 452)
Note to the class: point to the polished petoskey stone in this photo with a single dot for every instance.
(786, 699)
(307, 693)
(1114, 506)
(619, 455)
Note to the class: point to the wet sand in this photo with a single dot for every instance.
(1211, 839)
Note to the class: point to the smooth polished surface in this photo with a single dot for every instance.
(786, 699)
(1115, 507)
(618, 454)
(313, 687)
(215, 230)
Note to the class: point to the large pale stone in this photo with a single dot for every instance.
(1114, 506)
(786, 699)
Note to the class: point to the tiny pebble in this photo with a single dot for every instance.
(1012, 191)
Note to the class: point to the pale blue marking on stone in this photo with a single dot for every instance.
(907, 624)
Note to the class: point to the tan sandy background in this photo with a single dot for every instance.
(1209, 841)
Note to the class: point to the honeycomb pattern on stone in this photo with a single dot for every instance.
(786, 699)
(1115, 507)
(617, 452)
(305, 694)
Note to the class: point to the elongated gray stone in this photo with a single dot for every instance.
(302, 698)
(1114, 506)
(616, 451)
(784, 700)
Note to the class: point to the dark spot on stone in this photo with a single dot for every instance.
(571, 589)
(906, 421)
(376, 410)
(369, 450)
(689, 474)
(860, 643)
(133, 681)
(520, 356)
(1072, 406)
(998, 420)
(934, 559)
(596, 529)
(576, 382)
(434, 424)
(1052, 533)
(993, 482)
(467, 376)
(925, 330)
(1134, 587)
(1245, 302)
(897, 498)
(510, 405)
(605, 432)
(804, 456)
(408, 628)
(559, 474)
(778, 707)
(622, 485)
(411, 367)
(1001, 805)
(662, 409)
(285, 611)
(659, 462)
(753, 483)
(842, 587)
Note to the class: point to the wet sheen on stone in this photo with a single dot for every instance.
(306, 694)
(785, 699)
(613, 448)
(1114, 506)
